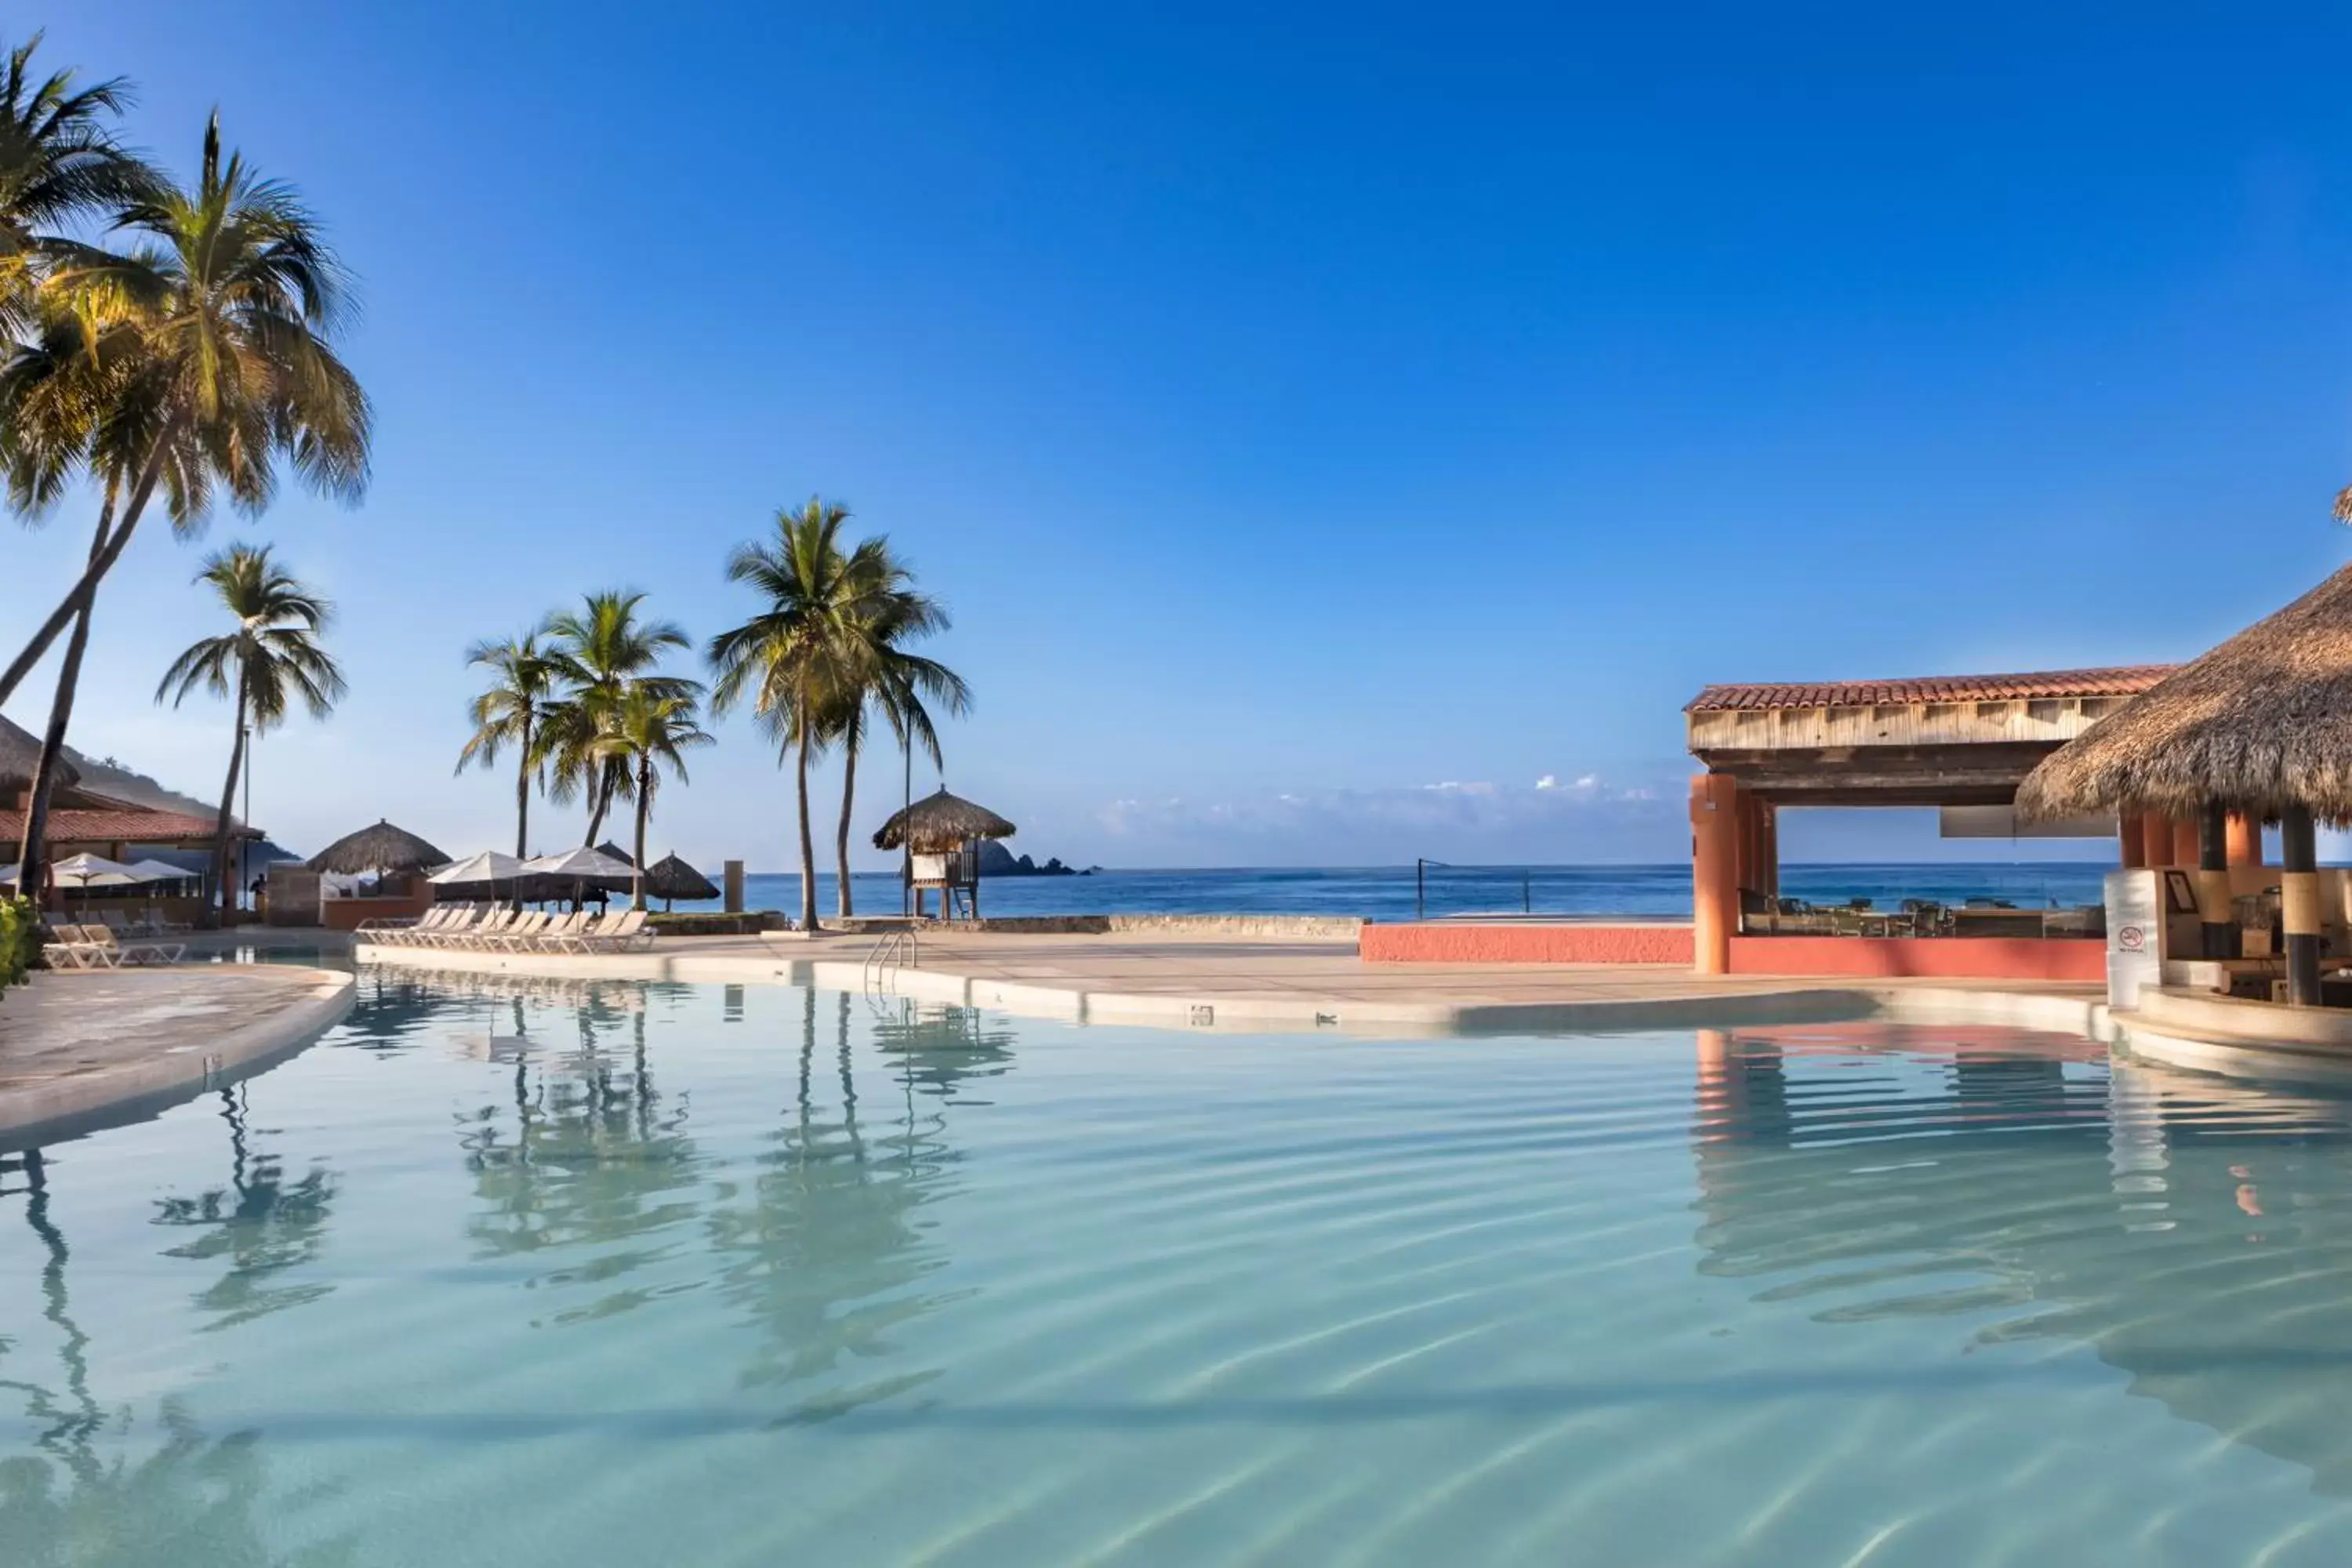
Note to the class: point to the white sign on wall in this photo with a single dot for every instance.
(2135, 935)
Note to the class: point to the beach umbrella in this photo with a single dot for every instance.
(575, 870)
(380, 849)
(670, 878)
(488, 867)
(88, 870)
(161, 871)
(939, 823)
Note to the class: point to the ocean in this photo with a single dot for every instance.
(1389, 893)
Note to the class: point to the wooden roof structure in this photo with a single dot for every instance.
(1964, 740)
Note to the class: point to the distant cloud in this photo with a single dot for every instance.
(1549, 781)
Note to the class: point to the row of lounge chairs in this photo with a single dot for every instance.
(97, 947)
(472, 929)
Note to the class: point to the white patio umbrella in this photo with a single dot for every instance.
(488, 867)
(88, 870)
(161, 872)
(579, 868)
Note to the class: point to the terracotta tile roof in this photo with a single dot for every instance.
(2126, 680)
(126, 824)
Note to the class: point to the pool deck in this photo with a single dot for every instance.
(1223, 982)
(80, 1048)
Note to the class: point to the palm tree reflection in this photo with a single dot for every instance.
(261, 1225)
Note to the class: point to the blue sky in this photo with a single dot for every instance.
(1298, 412)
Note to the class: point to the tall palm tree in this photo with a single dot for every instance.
(648, 732)
(59, 166)
(508, 713)
(887, 678)
(795, 660)
(272, 658)
(598, 651)
(222, 313)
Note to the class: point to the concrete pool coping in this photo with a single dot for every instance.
(1220, 984)
(84, 1049)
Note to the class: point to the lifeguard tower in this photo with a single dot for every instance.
(941, 836)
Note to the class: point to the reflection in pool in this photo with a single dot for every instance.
(604, 1273)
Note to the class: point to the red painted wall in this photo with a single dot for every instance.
(1937, 957)
(1448, 942)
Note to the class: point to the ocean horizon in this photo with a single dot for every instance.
(1389, 892)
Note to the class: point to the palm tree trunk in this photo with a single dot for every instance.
(222, 879)
(77, 599)
(841, 838)
(808, 844)
(33, 854)
(644, 809)
(522, 796)
(599, 801)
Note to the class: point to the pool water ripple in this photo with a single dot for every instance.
(528, 1272)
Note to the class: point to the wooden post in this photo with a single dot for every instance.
(2186, 833)
(2299, 904)
(2217, 926)
(1771, 841)
(732, 877)
(2246, 839)
(1715, 871)
(2132, 839)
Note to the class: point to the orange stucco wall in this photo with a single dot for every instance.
(345, 914)
(1453, 943)
(1937, 957)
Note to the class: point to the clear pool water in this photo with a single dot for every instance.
(695, 1275)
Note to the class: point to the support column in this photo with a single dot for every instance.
(1751, 844)
(2155, 838)
(1715, 871)
(2187, 851)
(2246, 839)
(2299, 904)
(1770, 814)
(2132, 840)
(2217, 926)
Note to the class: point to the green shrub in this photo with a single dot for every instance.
(20, 940)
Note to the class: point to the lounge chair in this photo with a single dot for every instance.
(428, 925)
(621, 933)
(67, 948)
(484, 932)
(555, 937)
(100, 943)
(592, 929)
(457, 929)
(515, 935)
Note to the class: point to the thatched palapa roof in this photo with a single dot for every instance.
(939, 823)
(382, 848)
(613, 851)
(2259, 723)
(20, 753)
(671, 877)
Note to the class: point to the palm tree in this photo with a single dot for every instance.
(219, 325)
(598, 651)
(891, 613)
(508, 713)
(647, 731)
(795, 660)
(59, 164)
(272, 658)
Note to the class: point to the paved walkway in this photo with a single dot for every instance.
(76, 1044)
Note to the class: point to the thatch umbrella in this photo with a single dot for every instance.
(614, 851)
(940, 823)
(380, 849)
(670, 878)
(2261, 724)
(20, 750)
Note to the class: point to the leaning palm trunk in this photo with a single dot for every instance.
(226, 880)
(522, 796)
(33, 854)
(808, 843)
(77, 600)
(644, 809)
(840, 839)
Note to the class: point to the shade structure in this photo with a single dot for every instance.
(582, 869)
(671, 877)
(2259, 724)
(488, 867)
(92, 871)
(382, 848)
(20, 750)
(162, 871)
(613, 851)
(939, 823)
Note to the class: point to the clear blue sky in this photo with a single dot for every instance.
(1297, 411)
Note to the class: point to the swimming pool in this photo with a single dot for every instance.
(668, 1274)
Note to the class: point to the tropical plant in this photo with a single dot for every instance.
(508, 714)
(795, 660)
(60, 166)
(270, 659)
(214, 329)
(645, 732)
(20, 938)
(598, 652)
(883, 677)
